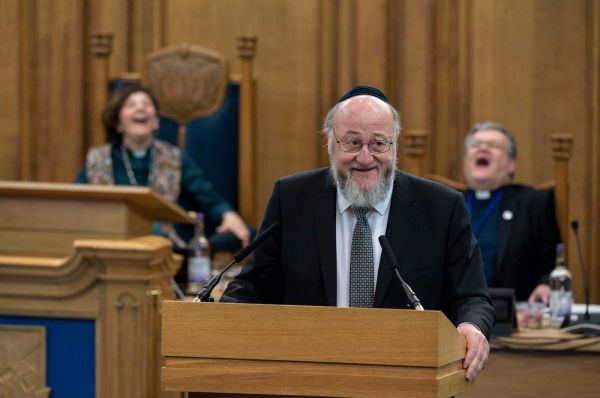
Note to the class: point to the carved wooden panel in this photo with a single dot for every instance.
(23, 362)
(189, 81)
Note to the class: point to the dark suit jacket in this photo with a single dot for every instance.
(428, 230)
(527, 241)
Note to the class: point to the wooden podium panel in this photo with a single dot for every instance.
(310, 351)
(44, 219)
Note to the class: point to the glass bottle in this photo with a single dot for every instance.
(561, 295)
(198, 261)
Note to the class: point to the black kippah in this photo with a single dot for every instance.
(364, 90)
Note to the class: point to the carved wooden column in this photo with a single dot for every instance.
(247, 149)
(101, 49)
(128, 326)
(415, 144)
(562, 144)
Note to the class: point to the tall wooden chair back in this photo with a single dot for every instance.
(206, 111)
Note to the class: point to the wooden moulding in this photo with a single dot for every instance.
(310, 351)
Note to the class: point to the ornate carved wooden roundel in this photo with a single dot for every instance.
(189, 81)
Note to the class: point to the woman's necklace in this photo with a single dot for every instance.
(129, 169)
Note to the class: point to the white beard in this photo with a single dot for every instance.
(362, 197)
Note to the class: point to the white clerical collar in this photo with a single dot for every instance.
(380, 207)
(483, 195)
(139, 153)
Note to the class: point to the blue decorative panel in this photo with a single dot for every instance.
(71, 354)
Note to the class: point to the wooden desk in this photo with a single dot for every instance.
(543, 363)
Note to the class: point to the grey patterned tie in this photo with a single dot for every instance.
(361, 261)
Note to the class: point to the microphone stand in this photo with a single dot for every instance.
(393, 263)
(205, 293)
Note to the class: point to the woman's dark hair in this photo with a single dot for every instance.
(112, 110)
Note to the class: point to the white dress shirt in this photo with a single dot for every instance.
(344, 228)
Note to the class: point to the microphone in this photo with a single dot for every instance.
(586, 285)
(204, 295)
(389, 255)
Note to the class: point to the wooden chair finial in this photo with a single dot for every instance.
(247, 46)
(101, 44)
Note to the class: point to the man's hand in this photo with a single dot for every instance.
(232, 222)
(540, 293)
(478, 349)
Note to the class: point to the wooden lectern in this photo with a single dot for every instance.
(44, 219)
(276, 350)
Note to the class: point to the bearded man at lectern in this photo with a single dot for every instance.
(326, 251)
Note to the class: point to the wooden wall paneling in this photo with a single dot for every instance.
(371, 46)
(559, 105)
(158, 23)
(592, 255)
(353, 51)
(285, 66)
(447, 135)
(12, 14)
(346, 45)
(25, 101)
(115, 17)
(91, 110)
(528, 73)
(25, 64)
(465, 55)
(57, 84)
(146, 30)
(558, 98)
(136, 29)
(329, 64)
(247, 131)
(98, 73)
(410, 71)
(503, 71)
(393, 46)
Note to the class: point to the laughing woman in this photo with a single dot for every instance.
(134, 156)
